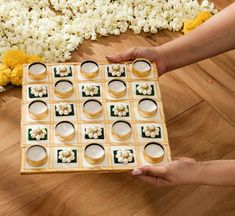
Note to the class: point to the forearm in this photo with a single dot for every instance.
(215, 36)
(217, 172)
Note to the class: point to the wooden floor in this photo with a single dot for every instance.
(199, 105)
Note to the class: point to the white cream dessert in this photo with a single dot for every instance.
(38, 133)
(64, 88)
(154, 152)
(65, 131)
(124, 156)
(36, 155)
(121, 130)
(63, 70)
(117, 88)
(92, 108)
(120, 110)
(64, 108)
(66, 156)
(93, 132)
(147, 107)
(141, 68)
(38, 110)
(151, 130)
(144, 88)
(38, 91)
(94, 153)
(37, 71)
(89, 69)
(90, 90)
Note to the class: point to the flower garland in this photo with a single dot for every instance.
(54, 28)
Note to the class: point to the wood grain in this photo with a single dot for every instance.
(199, 104)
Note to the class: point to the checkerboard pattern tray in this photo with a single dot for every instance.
(92, 117)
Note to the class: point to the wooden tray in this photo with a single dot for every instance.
(109, 163)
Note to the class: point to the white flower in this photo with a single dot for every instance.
(66, 156)
(38, 133)
(124, 156)
(63, 70)
(120, 110)
(93, 132)
(116, 69)
(144, 88)
(55, 28)
(90, 90)
(64, 108)
(38, 91)
(151, 130)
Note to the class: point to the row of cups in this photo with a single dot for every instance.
(90, 69)
(92, 108)
(94, 153)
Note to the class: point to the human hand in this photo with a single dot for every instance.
(153, 54)
(178, 172)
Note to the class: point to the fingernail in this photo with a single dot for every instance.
(136, 172)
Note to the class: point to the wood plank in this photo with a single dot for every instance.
(201, 133)
(176, 95)
(217, 91)
(15, 190)
(193, 201)
(113, 194)
(10, 106)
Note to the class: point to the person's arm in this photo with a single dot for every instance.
(215, 36)
(186, 171)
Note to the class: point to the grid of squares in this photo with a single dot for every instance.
(135, 143)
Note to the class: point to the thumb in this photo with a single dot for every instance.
(129, 54)
(150, 171)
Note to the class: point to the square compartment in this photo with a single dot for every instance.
(57, 163)
(57, 76)
(114, 150)
(31, 141)
(108, 75)
(111, 115)
(82, 94)
(160, 138)
(85, 137)
(71, 117)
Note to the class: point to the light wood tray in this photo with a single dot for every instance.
(136, 143)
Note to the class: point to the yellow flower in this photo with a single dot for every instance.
(204, 16)
(16, 75)
(11, 58)
(192, 24)
(4, 75)
(34, 58)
